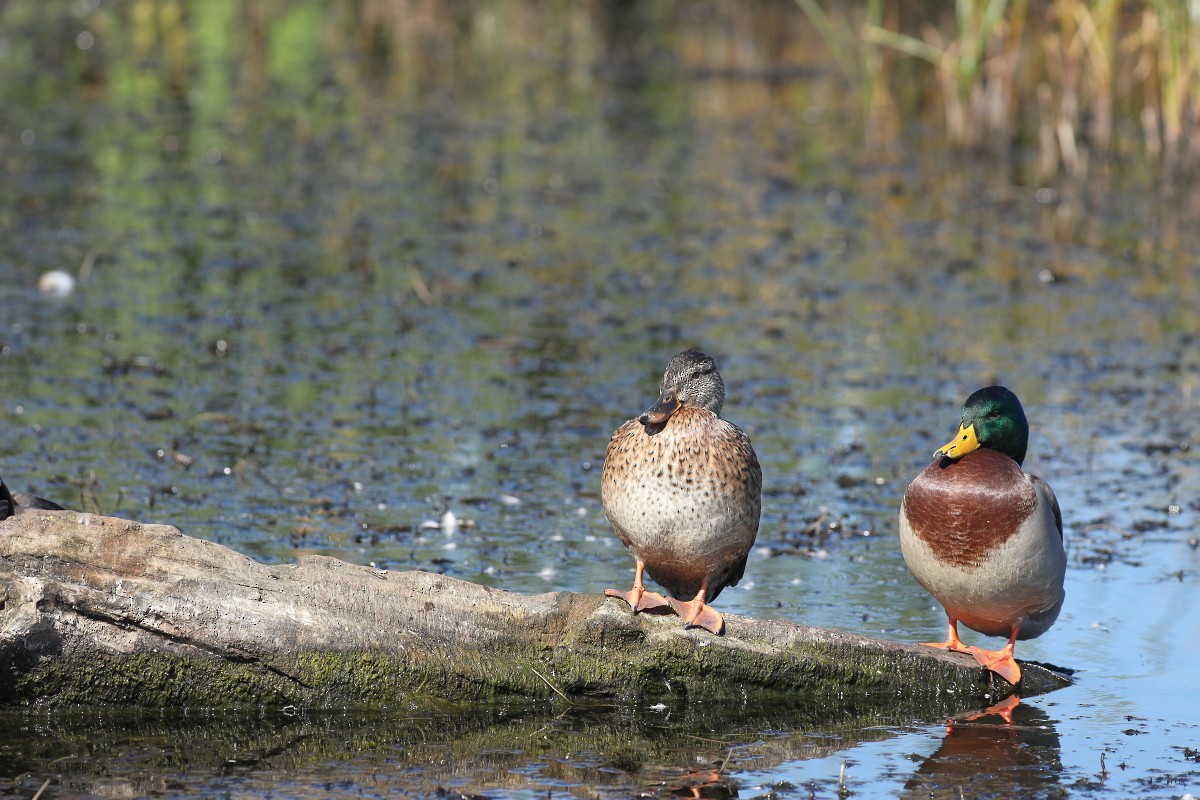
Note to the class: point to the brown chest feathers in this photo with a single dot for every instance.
(967, 508)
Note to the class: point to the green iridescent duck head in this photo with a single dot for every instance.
(993, 418)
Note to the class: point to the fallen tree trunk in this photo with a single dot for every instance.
(103, 610)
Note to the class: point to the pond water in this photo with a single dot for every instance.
(343, 272)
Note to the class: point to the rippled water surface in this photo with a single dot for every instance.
(347, 276)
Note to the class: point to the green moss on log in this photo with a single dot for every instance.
(97, 610)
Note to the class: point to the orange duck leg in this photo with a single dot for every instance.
(697, 614)
(1001, 661)
(952, 641)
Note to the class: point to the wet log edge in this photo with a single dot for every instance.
(103, 610)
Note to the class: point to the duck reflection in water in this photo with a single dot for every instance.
(1010, 750)
(707, 783)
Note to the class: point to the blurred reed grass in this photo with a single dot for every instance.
(1079, 80)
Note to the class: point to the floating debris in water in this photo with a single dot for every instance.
(449, 523)
(56, 283)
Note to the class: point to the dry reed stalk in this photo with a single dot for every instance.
(1060, 103)
(1088, 65)
(1102, 18)
(861, 62)
(975, 68)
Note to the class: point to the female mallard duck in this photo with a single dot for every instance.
(682, 489)
(983, 537)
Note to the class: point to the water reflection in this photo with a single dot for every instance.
(987, 755)
(709, 783)
(464, 751)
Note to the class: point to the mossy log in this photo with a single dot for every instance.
(102, 610)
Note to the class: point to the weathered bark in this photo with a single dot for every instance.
(102, 610)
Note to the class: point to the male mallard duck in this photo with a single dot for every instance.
(983, 537)
(682, 489)
(13, 503)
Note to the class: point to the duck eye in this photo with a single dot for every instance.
(696, 375)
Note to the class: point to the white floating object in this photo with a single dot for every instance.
(56, 283)
(449, 523)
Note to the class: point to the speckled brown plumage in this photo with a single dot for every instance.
(963, 509)
(684, 497)
(682, 489)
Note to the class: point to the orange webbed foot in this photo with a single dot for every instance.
(954, 646)
(1004, 708)
(651, 601)
(639, 599)
(1000, 662)
(697, 614)
(952, 643)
